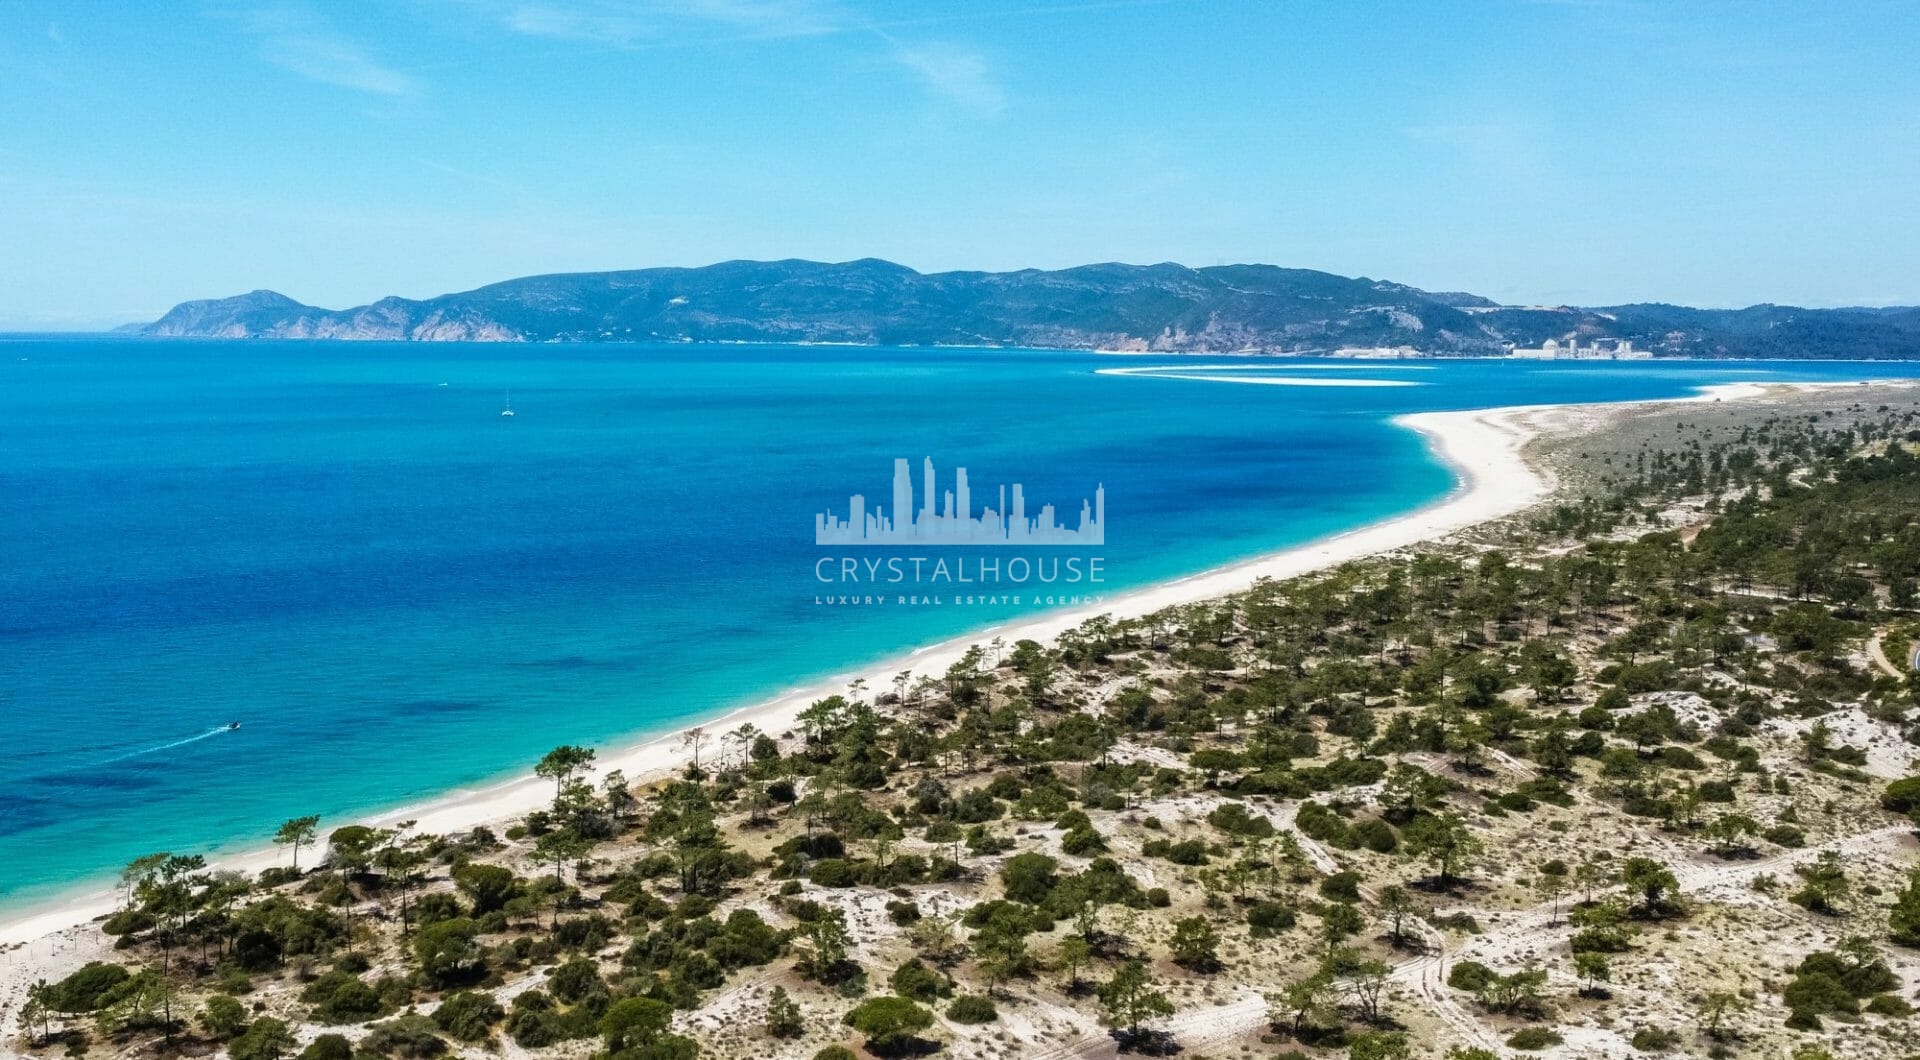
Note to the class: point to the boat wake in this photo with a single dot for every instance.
(171, 744)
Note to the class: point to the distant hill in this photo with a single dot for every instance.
(1167, 307)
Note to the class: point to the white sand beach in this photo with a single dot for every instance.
(1208, 373)
(1484, 448)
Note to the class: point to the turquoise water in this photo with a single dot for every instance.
(396, 591)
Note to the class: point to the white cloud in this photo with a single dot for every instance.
(782, 16)
(952, 71)
(955, 72)
(647, 22)
(298, 40)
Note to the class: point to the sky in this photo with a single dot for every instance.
(1584, 152)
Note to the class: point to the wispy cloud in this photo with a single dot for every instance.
(298, 40)
(952, 71)
(628, 23)
(1512, 150)
(473, 177)
(956, 72)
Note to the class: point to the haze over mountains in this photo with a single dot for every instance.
(1165, 308)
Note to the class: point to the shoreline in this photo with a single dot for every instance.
(1485, 449)
(1302, 355)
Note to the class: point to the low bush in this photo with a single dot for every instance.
(1531, 1038)
(972, 1008)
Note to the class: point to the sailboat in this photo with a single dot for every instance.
(508, 411)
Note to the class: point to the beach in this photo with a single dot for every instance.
(1488, 451)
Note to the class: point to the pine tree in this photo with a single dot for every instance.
(1903, 924)
(783, 1015)
(1131, 998)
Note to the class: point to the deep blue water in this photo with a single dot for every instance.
(397, 591)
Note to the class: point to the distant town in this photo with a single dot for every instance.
(1550, 350)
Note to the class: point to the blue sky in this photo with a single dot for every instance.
(1584, 151)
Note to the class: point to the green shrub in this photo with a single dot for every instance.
(1516, 801)
(917, 981)
(1902, 796)
(1323, 824)
(1082, 842)
(1817, 993)
(576, 979)
(1233, 819)
(328, 1047)
(490, 887)
(128, 922)
(1681, 758)
(1188, 852)
(264, 1039)
(448, 953)
(1531, 1038)
(1859, 978)
(1376, 835)
(1717, 791)
(1341, 887)
(278, 876)
(588, 933)
(1801, 1020)
(433, 908)
(1889, 1005)
(1655, 1039)
(1607, 939)
(469, 1016)
(1785, 835)
(635, 1022)
(535, 1027)
(223, 1017)
(1073, 819)
(1266, 919)
(888, 1022)
(1378, 1045)
(1029, 877)
(87, 990)
(832, 872)
(972, 1008)
(1470, 976)
(409, 1036)
(342, 997)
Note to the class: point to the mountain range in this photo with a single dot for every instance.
(1165, 308)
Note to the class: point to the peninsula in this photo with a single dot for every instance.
(1163, 308)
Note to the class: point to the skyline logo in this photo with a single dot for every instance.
(948, 519)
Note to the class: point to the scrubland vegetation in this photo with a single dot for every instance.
(1632, 775)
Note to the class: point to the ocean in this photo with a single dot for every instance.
(395, 591)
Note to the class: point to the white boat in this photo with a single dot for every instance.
(508, 411)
